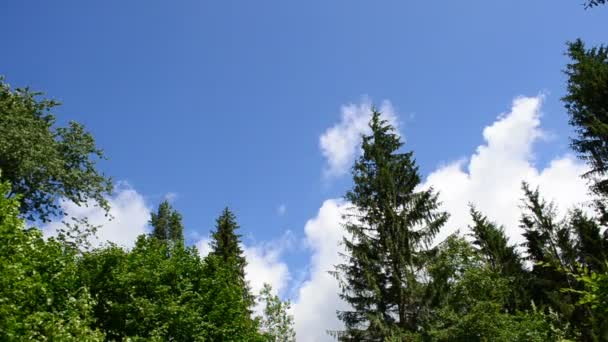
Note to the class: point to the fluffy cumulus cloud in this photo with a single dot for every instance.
(340, 143)
(491, 178)
(265, 266)
(317, 298)
(128, 217)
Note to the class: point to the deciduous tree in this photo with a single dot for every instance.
(45, 163)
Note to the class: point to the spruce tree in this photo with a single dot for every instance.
(493, 245)
(167, 224)
(389, 229)
(562, 253)
(551, 248)
(548, 241)
(225, 245)
(587, 105)
(591, 246)
(226, 242)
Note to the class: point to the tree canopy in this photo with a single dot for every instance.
(44, 163)
(477, 287)
(398, 282)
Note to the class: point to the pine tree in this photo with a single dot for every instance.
(167, 224)
(389, 227)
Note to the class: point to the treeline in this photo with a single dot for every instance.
(478, 286)
(63, 289)
(399, 285)
(474, 287)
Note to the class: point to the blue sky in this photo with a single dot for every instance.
(223, 102)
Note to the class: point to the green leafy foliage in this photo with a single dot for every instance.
(51, 290)
(593, 297)
(482, 289)
(485, 321)
(40, 296)
(479, 287)
(470, 300)
(44, 163)
(555, 248)
(166, 292)
(595, 291)
(276, 323)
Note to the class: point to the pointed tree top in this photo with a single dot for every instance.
(167, 223)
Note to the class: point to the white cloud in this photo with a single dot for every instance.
(491, 179)
(264, 266)
(340, 143)
(282, 209)
(203, 247)
(129, 217)
(317, 299)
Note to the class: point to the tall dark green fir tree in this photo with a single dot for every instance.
(167, 224)
(226, 242)
(225, 245)
(587, 105)
(389, 229)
